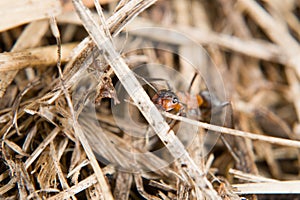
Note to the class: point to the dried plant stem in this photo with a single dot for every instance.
(254, 48)
(86, 51)
(280, 187)
(275, 31)
(93, 161)
(42, 56)
(250, 177)
(41, 147)
(11, 15)
(294, 89)
(89, 181)
(77, 128)
(29, 38)
(252, 136)
(251, 47)
(141, 99)
(8, 186)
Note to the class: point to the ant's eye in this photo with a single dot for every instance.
(175, 100)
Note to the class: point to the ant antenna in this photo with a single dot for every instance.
(164, 80)
(147, 82)
(153, 79)
(192, 82)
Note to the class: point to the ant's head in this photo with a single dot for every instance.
(167, 100)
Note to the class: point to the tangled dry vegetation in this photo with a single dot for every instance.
(63, 136)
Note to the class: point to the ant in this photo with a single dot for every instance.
(167, 100)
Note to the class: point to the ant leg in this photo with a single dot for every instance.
(146, 81)
(162, 80)
(173, 122)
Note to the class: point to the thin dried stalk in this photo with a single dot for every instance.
(15, 147)
(82, 185)
(77, 127)
(252, 136)
(29, 38)
(123, 183)
(252, 47)
(10, 185)
(294, 89)
(58, 169)
(37, 57)
(11, 15)
(93, 161)
(278, 33)
(86, 51)
(250, 177)
(280, 187)
(41, 147)
(142, 100)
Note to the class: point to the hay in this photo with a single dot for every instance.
(70, 131)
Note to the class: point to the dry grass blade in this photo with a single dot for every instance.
(77, 128)
(10, 185)
(37, 57)
(30, 37)
(295, 90)
(90, 128)
(15, 147)
(280, 187)
(102, 19)
(41, 147)
(254, 47)
(142, 100)
(122, 190)
(82, 185)
(252, 136)
(58, 169)
(276, 32)
(250, 177)
(93, 161)
(11, 14)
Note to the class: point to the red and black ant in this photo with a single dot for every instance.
(167, 100)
